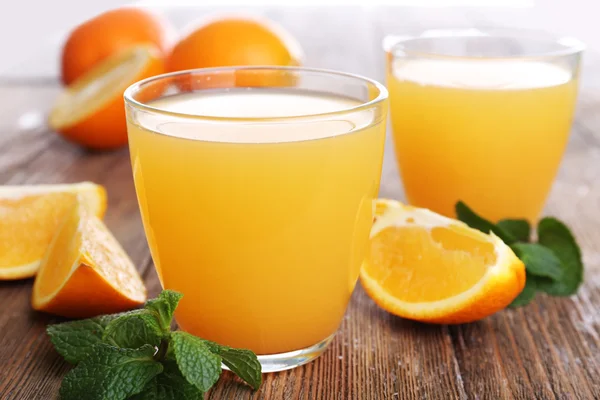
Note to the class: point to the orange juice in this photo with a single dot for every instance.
(262, 226)
(488, 132)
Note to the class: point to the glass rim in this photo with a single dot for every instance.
(136, 87)
(392, 44)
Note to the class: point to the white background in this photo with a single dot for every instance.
(31, 30)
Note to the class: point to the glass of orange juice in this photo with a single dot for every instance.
(255, 186)
(481, 116)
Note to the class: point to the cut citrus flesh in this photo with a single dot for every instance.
(110, 32)
(430, 268)
(91, 111)
(29, 217)
(85, 271)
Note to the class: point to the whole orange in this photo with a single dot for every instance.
(107, 34)
(232, 41)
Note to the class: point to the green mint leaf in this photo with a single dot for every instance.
(241, 362)
(170, 385)
(475, 221)
(196, 362)
(110, 373)
(173, 385)
(74, 340)
(539, 260)
(528, 293)
(517, 228)
(148, 393)
(555, 235)
(133, 329)
(164, 306)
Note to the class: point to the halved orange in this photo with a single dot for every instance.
(430, 268)
(110, 32)
(91, 111)
(30, 216)
(85, 271)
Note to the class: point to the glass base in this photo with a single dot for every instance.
(292, 359)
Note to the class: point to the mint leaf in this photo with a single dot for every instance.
(528, 293)
(134, 355)
(517, 228)
(241, 362)
(110, 373)
(555, 235)
(74, 340)
(170, 385)
(554, 265)
(539, 260)
(164, 306)
(469, 217)
(196, 362)
(133, 329)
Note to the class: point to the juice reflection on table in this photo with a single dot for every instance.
(262, 228)
(488, 132)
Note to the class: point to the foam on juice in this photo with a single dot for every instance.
(481, 74)
(262, 105)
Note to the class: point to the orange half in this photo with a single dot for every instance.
(30, 216)
(91, 111)
(85, 271)
(430, 268)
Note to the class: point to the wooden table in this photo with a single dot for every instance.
(547, 350)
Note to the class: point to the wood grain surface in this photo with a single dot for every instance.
(547, 350)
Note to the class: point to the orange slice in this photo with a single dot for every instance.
(29, 217)
(91, 111)
(430, 268)
(85, 271)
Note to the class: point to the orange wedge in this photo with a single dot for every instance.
(85, 271)
(91, 111)
(430, 268)
(29, 217)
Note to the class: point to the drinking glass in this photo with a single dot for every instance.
(256, 189)
(481, 116)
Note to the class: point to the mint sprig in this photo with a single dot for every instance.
(135, 355)
(553, 264)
